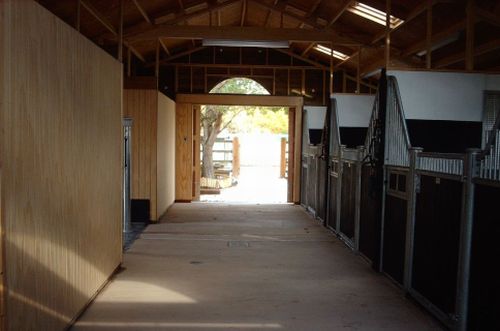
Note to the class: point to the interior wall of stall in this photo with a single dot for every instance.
(353, 111)
(442, 96)
(61, 166)
(444, 110)
(142, 106)
(165, 154)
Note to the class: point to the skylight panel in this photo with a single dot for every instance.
(373, 14)
(328, 51)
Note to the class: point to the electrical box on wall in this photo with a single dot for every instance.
(315, 121)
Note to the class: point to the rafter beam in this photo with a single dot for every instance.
(269, 12)
(341, 11)
(436, 38)
(239, 33)
(142, 11)
(488, 17)
(314, 7)
(308, 49)
(98, 16)
(192, 12)
(178, 55)
(243, 12)
(479, 50)
(311, 21)
(134, 51)
(419, 9)
(171, 18)
(232, 65)
(297, 56)
(164, 46)
(337, 15)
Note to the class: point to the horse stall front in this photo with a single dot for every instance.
(349, 120)
(484, 290)
(416, 194)
(433, 134)
(313, 174)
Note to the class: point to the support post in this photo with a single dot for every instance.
(129, 62)
(471, 169)
(428, 38)
(78, 15)
(236, 157)
(413, 187)
(283, 158)
(469, 35)
(331, 69)
(358, 72)
(120, 34)
(387, 33)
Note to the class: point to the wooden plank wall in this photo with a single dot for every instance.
(2, 220)
(165, 154)
(142, 107)
(184, 152)
(61, 162)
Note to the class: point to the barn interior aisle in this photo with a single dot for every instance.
(247, 267)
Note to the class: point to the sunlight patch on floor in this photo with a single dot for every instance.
(126, 291)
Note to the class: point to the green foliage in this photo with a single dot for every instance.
(239, 86)
(248, 119)
(260, 119)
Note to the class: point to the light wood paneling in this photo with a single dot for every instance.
(142, 107)
(153, 151)
(196, 152)
(2, 219)
(165, 154)
(61, 165)
(183, 152)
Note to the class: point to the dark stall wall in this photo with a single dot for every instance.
(436, 241)
(393, 258)
(445, 136)
(348, 196)
(370, 216)
(484, 305)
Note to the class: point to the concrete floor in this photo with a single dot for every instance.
(247, 267)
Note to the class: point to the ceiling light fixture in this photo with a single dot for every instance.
(246, 43)
(328, 51)
(373, 14)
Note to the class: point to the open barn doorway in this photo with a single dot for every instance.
(243, 145)
(244, 148)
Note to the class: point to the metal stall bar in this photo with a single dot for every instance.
(466, 226)
(413, 186)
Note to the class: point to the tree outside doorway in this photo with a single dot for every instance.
(220, 123)
(215, 119)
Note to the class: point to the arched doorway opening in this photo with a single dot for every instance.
(243, 148)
